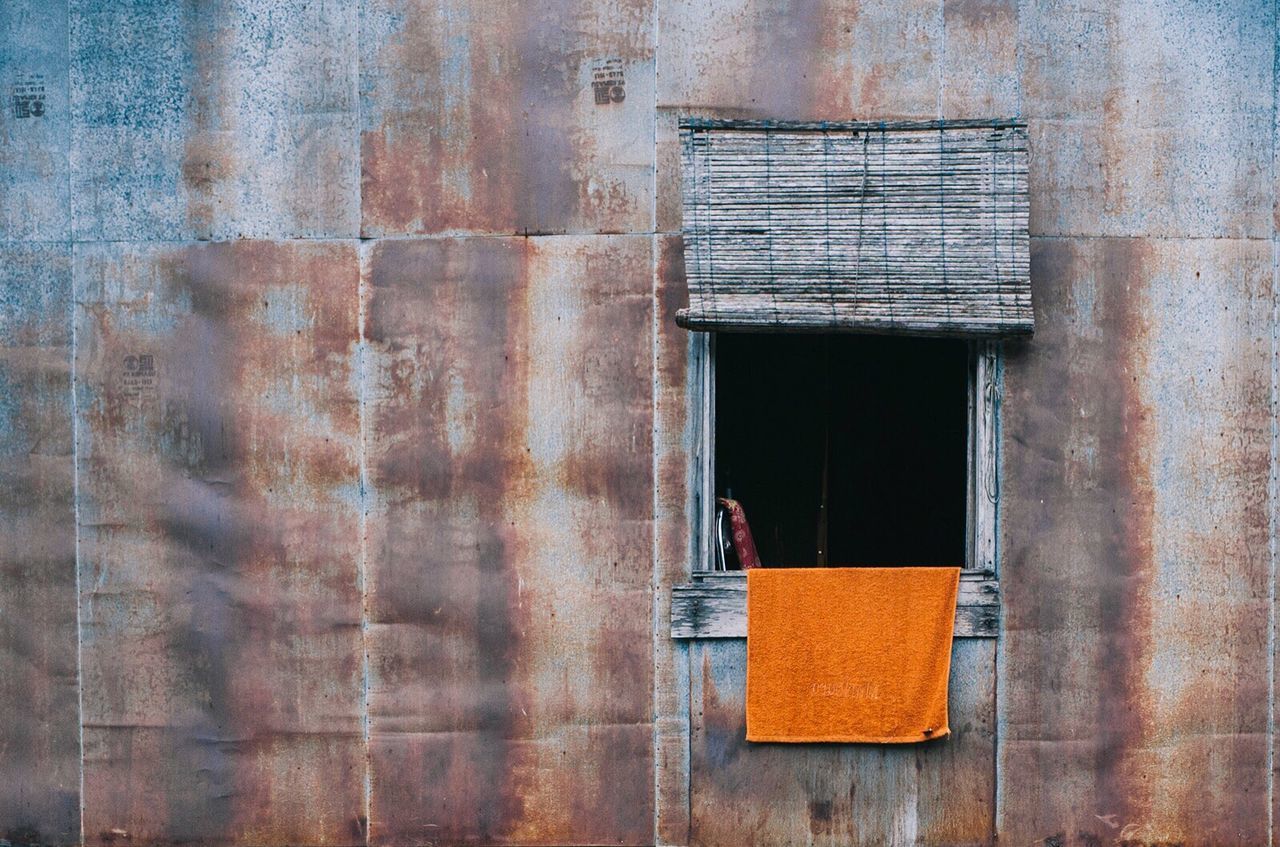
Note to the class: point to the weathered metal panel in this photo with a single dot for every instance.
(510, 540)
(1136, 575)
(801, 59)
(40, 728)
(487, 118)
(223, 119)
(980, 59)
(668, 200)
(220, 541)
(1150, 117)
(678, 400)
(838, 794)
(34, 121)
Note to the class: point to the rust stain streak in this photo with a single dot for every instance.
(221, 691)
(463, 787)
(1126, 525)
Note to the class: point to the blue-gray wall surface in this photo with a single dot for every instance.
(346, 433)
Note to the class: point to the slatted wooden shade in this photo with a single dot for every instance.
(917, 228)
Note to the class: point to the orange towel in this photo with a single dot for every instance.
(849, 654)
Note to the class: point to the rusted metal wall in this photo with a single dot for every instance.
(481, 118)
(39, 735)
(39, 683)
(509, 458)
(1136, 684)
(220, 528)
(346, 434)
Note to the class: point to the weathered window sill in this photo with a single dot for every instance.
(714, 605)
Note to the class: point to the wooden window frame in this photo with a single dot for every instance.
(713, 604)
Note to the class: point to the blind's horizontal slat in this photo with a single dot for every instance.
(908, 227)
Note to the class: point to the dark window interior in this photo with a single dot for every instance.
(866, 435)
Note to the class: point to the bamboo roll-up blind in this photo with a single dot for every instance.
(878, 227)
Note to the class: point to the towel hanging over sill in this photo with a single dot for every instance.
(849, 654)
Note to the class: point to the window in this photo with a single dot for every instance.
(848, 283)
(844, 449)
(921, 450)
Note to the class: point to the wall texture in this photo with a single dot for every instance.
(346, 431)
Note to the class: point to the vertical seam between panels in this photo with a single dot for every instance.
(363, 564)
(75, 426)
(1272, 488)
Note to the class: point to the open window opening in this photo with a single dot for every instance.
(850, 449)
(905, 431)
(843, 450)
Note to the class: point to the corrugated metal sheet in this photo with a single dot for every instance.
(377, 545)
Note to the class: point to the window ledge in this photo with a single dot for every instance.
(714, 605)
